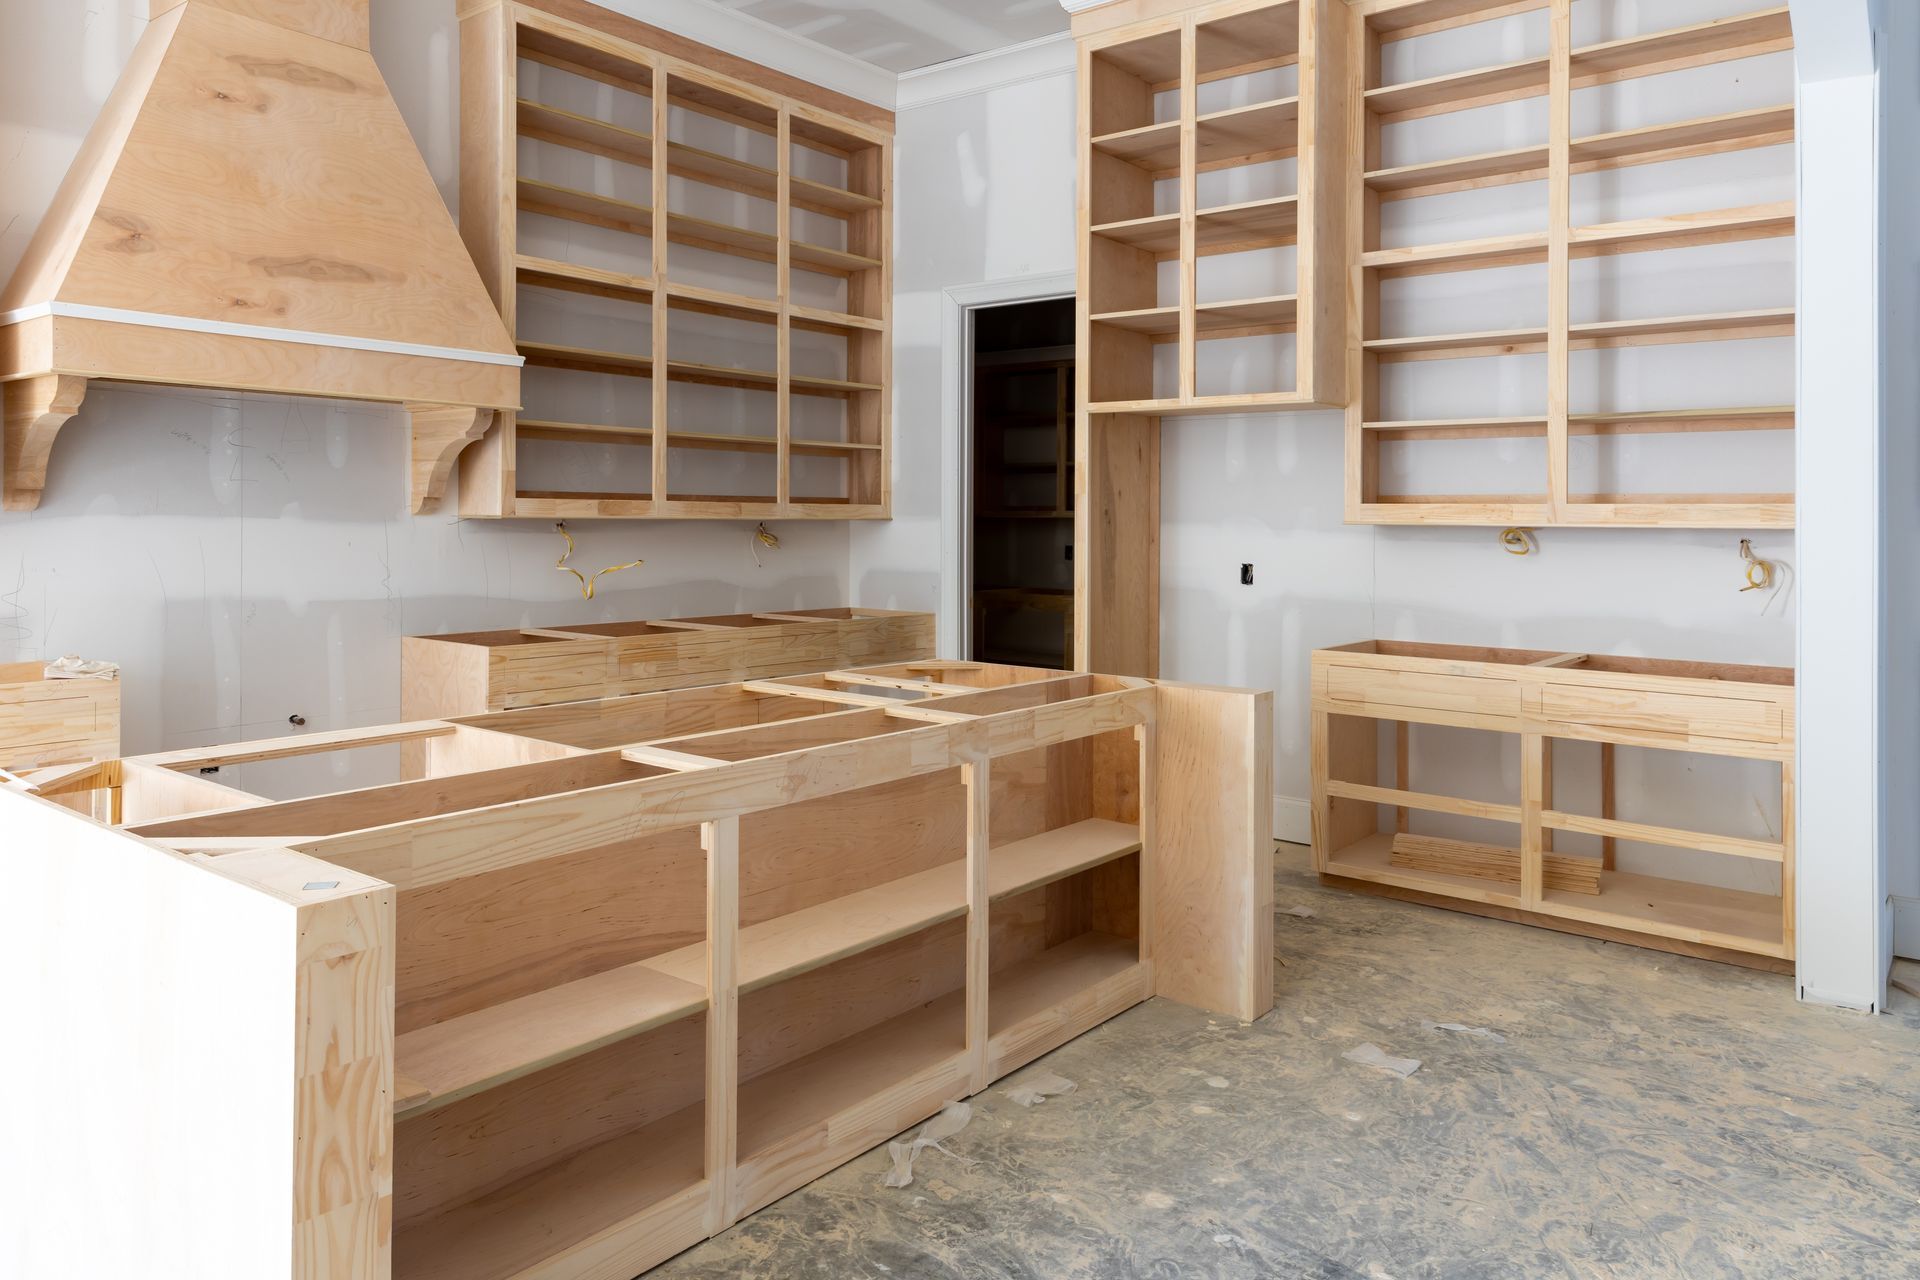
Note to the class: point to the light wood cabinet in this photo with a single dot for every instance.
(1493, 848)
(617, 974)
(1572, 437)
(468, 673)
(48, 722)
(1213, 261)
(694, 256)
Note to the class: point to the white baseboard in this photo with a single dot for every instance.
(1293, 820)
(1906, 927)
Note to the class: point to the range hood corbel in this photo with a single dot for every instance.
(249, 213)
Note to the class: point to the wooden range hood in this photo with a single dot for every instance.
(250, 213)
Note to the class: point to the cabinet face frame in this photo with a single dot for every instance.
(607, 47)
(1177, 779)
(1119, 418)
(1562, 157)
(1536, 697)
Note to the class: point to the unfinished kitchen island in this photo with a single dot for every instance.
(614, 974)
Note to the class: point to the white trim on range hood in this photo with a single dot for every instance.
(260, 332)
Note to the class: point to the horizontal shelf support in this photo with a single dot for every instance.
(1488, 810)
(1760, 850)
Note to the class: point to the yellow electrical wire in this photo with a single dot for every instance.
(587, 585)
(1759, 572)
(1519, 542)
(762, 536)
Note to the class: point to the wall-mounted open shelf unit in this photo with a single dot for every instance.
(728, 359)
(615, 974)
(1437, 822)
(1571, 488)
(1213, 261)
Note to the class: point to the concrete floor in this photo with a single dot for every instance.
(1646, 1115)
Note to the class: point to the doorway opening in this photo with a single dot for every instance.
(1020, 566)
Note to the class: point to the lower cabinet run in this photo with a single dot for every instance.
(1506, 769)
(639, 967)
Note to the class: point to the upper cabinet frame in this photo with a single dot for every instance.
(1374, 420)
(1162, 133)
(791, 455)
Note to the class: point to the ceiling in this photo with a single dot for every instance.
(905, 35)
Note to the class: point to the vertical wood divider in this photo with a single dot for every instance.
(662, 153)
(1143, 739)
(1607, 849)
(976, 776)
(1532, 794)
(1403, 771)
(1189, 207)
(783, 397)
(722, 843)
(1559, 233)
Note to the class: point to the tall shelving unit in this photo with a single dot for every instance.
(792, 194)
(1213, 247)
(1569, 410)
(1023, 498)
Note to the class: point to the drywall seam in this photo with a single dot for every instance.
(983, 72)
(749, 37)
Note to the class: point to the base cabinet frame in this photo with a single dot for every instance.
(1365, 791)
(615, 974)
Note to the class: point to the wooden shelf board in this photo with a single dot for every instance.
(1730, 918)
(491, 1046)
(550, 273)
(1033, 990)
(1157, 235)
(591, 432)
(1154, 59)
(572, 204)
(1245, 135)
(1725, 326)
(1154, 321)
(564, 128)
(1054, 855)
(807, 1094)
(549, 355)
(820, 197)
(1678, 48)
(1461, 255)
(1371, 858)
(1459, 90)
(1660, 422)
(1279, 312)
(561, 505)
(635, 1180)
(819, 320)
(1653, 144)
(1718, 226)
(1241, 43)
(789, 945)
(1422, 17)
(715, 302)
(1256, 224)
(1690, 511)
(1436, 177)
(1154, 147)
(1247, 402)
(1723, 39)
(1703, 135)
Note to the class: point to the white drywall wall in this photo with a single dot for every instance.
(985, 193)
(1900, 461)
(251, 558)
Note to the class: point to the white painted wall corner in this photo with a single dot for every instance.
(1293, 821)
(1906, 927)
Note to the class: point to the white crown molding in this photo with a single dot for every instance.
(1081, 6)
(748, 37)
(1016, 64)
